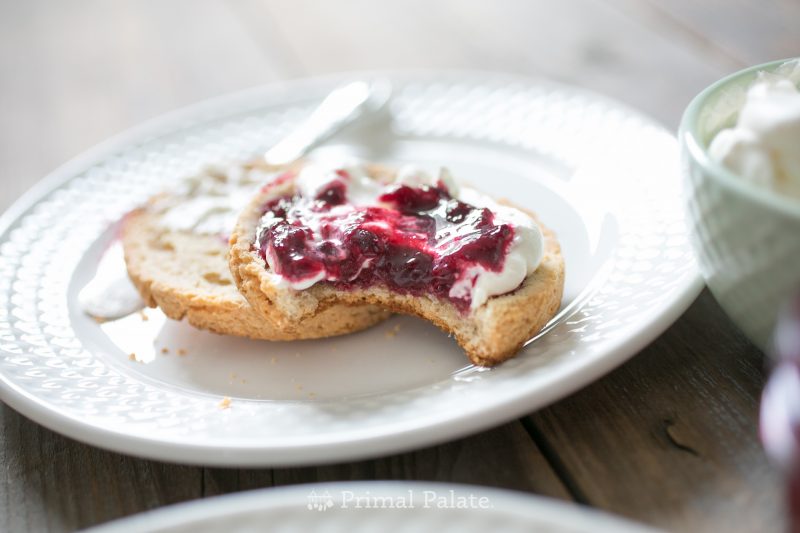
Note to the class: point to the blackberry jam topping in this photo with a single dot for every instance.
(333, 194)
(410, 239)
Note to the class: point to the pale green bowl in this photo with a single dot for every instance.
(746, 237)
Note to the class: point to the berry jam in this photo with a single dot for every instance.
(415, 240)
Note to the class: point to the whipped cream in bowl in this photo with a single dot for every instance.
(763, 146)
(740, 146)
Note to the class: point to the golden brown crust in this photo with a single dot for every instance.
(187, 276)
(489, 334)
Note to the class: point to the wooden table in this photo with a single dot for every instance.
(669, 439)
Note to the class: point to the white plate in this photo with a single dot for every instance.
(375, 506)
(602, 176)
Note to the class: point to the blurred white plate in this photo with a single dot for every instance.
(374, 506)
(602, 176)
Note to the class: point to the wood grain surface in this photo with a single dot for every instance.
(670, 438)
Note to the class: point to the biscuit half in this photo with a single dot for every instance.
(489, 334)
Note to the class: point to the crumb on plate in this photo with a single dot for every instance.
(390, 334)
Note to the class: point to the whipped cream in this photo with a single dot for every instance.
(764, 145)
(209, 202)
(523, 256)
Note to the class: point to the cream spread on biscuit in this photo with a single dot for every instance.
(347, 227)
(209, 202)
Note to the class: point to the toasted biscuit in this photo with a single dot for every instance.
(489, 334)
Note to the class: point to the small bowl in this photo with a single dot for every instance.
(746, 237)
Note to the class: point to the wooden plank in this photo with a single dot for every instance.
(218, 481)
(504, 457)
(583, 42)
(746, 32)
(670, 438)
(51, 483)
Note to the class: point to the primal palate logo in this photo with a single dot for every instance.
(410, 499)
(319, 502)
